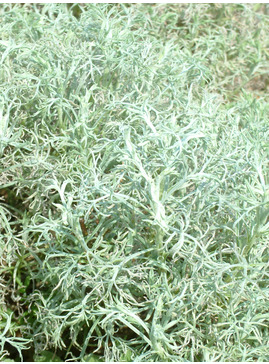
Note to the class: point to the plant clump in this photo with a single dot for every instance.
(134, 196)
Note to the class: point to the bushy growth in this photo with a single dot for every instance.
(134, 182)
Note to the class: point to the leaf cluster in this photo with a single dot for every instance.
(134, 182)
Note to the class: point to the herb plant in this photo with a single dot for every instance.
(134, 182)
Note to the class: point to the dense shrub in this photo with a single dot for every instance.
(134, 182)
